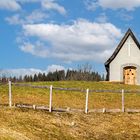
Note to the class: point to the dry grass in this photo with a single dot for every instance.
(19, 124)
(36, 125)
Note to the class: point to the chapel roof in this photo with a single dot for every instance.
(127, 34)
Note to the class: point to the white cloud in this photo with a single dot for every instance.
(28, 1)
(52, 5)
(19, 72)
(102, 18)
(11, 5)
(53, 68)
(125, 16)
(29, 71)
(91, 5)
(81, 41)
(15, 19)
(15, 5)
(111, 4)
(37, 49)
(36, 16)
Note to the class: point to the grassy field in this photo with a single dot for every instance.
(20, 124)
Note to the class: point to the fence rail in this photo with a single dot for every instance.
(76, 89)
(102, 110)
(50, 107)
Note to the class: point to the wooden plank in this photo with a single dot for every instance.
(113, 110)
(132, 110)
(32, 86)
(48, 87)
(76, 110)
(105, 91)
(59, 110)
(36, 107)
(42, 108)
(103, 110)
(69, 89)
(24, 106)
(95, 110)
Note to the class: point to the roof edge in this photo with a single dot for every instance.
(129, 32)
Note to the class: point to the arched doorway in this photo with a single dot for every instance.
(129, 75)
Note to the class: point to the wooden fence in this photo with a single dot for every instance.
(50, 108)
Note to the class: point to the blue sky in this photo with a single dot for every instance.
(44, 35)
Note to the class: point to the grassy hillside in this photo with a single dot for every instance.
(28, 124)
(73, 99)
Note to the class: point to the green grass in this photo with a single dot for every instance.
(19, 124)
(72, 99)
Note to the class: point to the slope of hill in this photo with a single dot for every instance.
(19, 124)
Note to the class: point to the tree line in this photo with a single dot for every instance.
(57, 76)
(83, 73)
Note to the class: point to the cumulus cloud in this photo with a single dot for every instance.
(29, 71)
(102, 18)
(81, 41)
(28, 1)
(14, 5)
(37, 49)
(125, 16)
(91, 5)
(111, 4)
(35, 16)
(11, 5)
(15, 19)
(19, 72)
(53, 68)
(52, 5)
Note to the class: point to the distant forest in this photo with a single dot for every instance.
(83, 73)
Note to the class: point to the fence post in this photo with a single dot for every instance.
(50, 104)
(123, 109)
(86, 106)
(10, 94)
